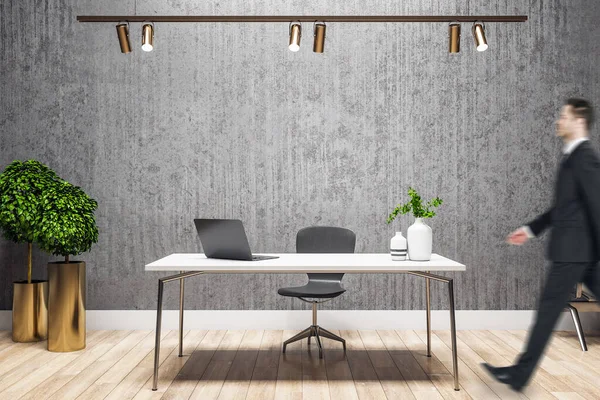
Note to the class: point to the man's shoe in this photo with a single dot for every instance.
(504, 375)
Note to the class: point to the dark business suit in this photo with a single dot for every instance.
(573, 248)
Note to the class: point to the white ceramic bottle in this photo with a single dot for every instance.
(398, 247)
(419, 241)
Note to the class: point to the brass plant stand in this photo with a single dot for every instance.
(66, 306)
(30, 311)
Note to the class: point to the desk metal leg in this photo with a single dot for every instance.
(450, 283)
(453, 332)
(428, 295)
(181, 289)
(159, 307)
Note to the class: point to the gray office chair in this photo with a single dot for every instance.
(320, 239)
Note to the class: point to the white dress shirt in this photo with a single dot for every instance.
(572, 145)
(567, 149)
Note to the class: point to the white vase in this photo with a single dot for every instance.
(419, 241)
(398, 246)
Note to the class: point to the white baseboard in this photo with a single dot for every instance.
(343, 319)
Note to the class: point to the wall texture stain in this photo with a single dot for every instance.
(221, 120)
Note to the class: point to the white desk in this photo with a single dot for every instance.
(293, 263)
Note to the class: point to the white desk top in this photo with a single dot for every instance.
(303, 263)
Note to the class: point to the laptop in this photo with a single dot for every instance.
(225, 238)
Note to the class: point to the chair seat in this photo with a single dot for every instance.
(318, 290)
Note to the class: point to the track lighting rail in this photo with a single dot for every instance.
(302, 18)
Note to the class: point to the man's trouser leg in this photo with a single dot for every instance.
(555, 295)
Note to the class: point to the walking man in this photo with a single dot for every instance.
(574, 246)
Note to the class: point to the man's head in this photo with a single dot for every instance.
(576, 117)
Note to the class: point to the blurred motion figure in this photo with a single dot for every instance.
(574, 245)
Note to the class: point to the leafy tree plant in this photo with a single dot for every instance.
(416, 206)
(21, 187)
(68, 225)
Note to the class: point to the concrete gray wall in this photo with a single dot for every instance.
(221, 120)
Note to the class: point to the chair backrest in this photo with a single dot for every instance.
(325, 239)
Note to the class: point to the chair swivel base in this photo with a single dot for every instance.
(317, 332)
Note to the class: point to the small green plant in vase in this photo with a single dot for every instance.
(419, 234)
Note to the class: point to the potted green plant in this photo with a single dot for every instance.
(22, 184)
(68, 228)
(419, 235)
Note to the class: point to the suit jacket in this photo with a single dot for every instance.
(575, 215)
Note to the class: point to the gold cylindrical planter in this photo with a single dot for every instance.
(66, 306)
(30, 311)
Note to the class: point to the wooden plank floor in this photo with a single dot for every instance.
(249, 365)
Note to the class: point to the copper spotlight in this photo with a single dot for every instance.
(148, 37)
(319, 34)
(479, 35)
(295, 35)
(454, 34)
(123, 35)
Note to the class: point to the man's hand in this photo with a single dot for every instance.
(518, 237)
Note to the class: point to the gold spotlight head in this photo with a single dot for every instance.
(295, 35)
(454, 37)
(479, 35)
(148, 37)
(319, 34)
(123, 35)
